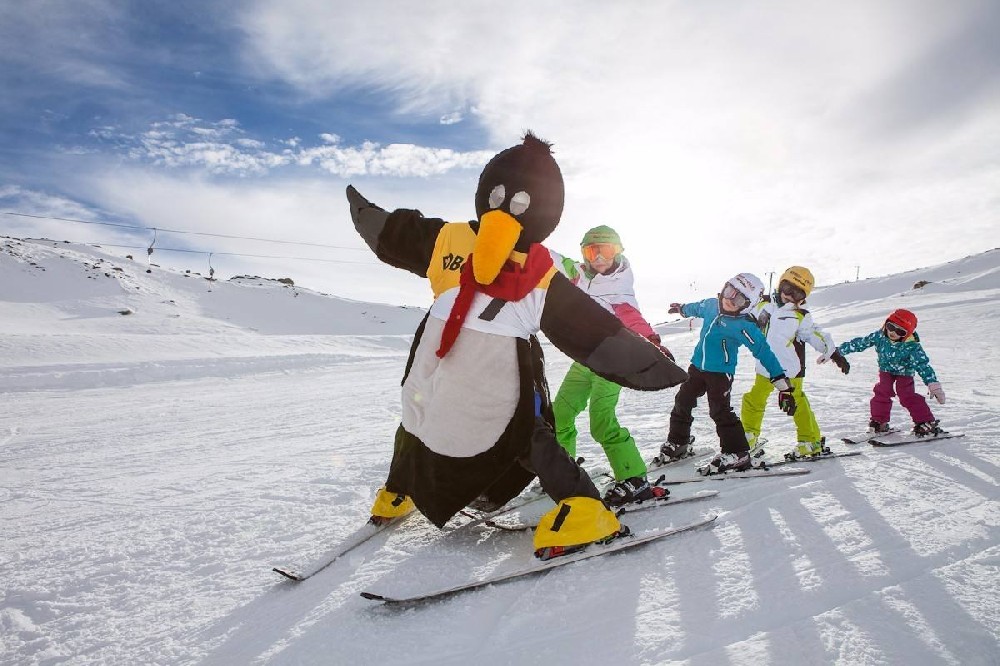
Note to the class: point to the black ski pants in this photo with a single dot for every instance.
(718, 387)
(559, 474)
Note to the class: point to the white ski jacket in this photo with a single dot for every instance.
(615, 292)
(788, 328)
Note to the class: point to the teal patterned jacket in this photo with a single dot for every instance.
(897, 358)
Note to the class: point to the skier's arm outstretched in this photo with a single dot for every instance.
(859, 344)
(822, 342)
(695, 309)
(754, 339)
(815, 336)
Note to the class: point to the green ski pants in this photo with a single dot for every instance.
(579, 387)
(755, 402)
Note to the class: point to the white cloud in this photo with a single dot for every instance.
(717, 137)
(222, 148)
(311, 211)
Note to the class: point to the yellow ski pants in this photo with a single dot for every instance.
(755, 402)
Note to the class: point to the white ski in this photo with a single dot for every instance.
(812, 459)
(901, 438)
(361, 535)
(594, 550)
(627, 508)
(864, 437)
(534, 494)
(755, 473)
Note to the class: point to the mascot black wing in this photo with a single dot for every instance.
(474, 396)
(591, 335)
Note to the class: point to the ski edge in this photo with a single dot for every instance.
(868, 436)
(624, 544)
(621, 511)
(825, 456)
(923, 440)
(598, 477)
(757, 473)
(355, 539)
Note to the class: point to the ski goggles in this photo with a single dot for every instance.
(607, 250)
(895, 328)
(733, 294)
(790, 290)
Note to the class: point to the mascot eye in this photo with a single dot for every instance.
(497, 196)
(519, 203)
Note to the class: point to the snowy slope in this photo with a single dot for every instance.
(155, 465)
(90, 318)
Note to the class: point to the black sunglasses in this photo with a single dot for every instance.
(791, 290)
(895, 328)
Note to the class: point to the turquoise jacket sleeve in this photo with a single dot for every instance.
(753, 338)
(695, 309)
(922, 364)
(859, 344)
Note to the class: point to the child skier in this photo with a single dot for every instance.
(899, 356)
(788, 327)
(726, 325)
(606, 276)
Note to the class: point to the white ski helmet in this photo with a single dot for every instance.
(749, 286)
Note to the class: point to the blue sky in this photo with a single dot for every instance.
(851, 137)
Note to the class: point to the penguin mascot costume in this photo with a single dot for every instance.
(476, 414)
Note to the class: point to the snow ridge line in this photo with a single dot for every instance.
(112, 375)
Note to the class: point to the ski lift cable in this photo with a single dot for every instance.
(179, 231)
(236, 254)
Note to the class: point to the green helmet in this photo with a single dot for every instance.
(601, 234)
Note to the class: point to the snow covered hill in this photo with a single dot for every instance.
(155, 465)
(76, 315)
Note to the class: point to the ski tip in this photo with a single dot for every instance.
(709, 521)
(371, 596)
(288, 573)
(516, 527)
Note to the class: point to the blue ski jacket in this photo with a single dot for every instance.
(897, 358)
(721, 337)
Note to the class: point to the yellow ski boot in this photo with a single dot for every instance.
(389, 506)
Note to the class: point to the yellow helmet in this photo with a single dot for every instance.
(800, 277)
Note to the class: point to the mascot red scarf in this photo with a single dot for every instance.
(512, 284)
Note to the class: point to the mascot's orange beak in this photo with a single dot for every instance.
(498, 233)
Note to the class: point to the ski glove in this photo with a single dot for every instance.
(935, 390)
(840, 361)
(786, 402)
(675, 308)
(655, 339)
(781, 383)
